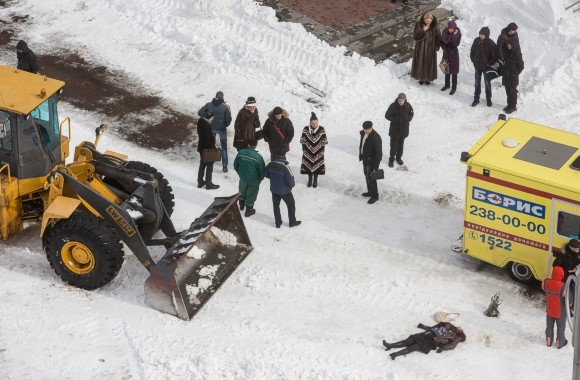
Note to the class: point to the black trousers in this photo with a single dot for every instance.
(397, 144)
(453, 78)
(206, 167)
(289, 200)
(512, 95)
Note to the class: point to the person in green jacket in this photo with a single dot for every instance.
(250, 166)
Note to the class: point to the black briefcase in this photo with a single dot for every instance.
(377, 174)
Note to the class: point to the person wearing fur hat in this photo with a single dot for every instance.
(450, 39)
(482, 54)
(400, 113)
(205, 140)
(444, 336)
(278, 131)
(370, 153)
(247, 121)
(250, 166)
(313, 141)
(555, 307)
(427, 43)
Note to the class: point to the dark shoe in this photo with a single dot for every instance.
(548, 341)
(372, 200)
(489, 103)
(475, 102)
(560, 345)
(211, 186)
(242, 204)
(445, 88)
(278, 225)
(393, 356)
(452, 91)
(510, 110)
(225, 169)
(200, 184)
(421, 82)
(427, 83)
(250, 211)
(366, 194)
(295, 223)
(315, 181)
(391, 161)
(387, 346)
(399, 161)
(309, 184)
(506, 108)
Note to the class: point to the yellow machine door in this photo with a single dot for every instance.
(565, 224)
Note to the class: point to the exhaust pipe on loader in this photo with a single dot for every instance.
(200, 261)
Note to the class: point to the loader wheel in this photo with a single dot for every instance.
(521, 273)
(165, 190)
(84, 251)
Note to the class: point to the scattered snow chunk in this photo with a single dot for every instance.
(224, 237)
(196, 253)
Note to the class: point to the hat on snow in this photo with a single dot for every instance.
(367, 124)
(402, 96)
(251, 101)
(574, 243)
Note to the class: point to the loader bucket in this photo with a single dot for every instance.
(200, 261)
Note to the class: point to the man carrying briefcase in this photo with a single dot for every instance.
(370, 153)
(205, 142)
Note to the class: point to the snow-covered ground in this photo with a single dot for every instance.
(312, 302)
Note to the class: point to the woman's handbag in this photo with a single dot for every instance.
(377, 174)
(211, 155)
(444, 66)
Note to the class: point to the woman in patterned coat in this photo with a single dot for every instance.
(313, 140)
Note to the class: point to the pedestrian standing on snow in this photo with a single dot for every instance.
(482, 54)
(246, 124)
(427, 42)
(250, 166)
(278, 131)
(370, 153)
(313, 140)
(569, 259)
(444, 336)
(555, 308)
(26, 58)
(400, 113)
(512, 67)
(281, 184)
(450, 39)
(510, 32)
(205, 140)
(221, 120)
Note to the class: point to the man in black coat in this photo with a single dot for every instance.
(370, 153)
(400, 113)
(26, 58)
(205, 140)
(512, 67)
(482, 54)
(278, 132)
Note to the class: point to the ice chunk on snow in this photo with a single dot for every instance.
(209, 271)
(224, 237)
(193, 290)
(196, 253)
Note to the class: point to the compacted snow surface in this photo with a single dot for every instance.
(312, 302)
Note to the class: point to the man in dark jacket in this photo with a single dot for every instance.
(26, 58)
(205, 140)
(569, 259)
(482, 54)
(278, 131)
(444, 336)
(221, 120)
(400, 113)
(370, 153)
(250, 166)
(281, 184)
(510, 32)
(512, 68)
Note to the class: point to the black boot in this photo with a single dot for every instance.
(391, 161)
(242, 204)
(452, 91)
(400, 353)
(445, 88)
(309, 184)
(315, 181)
(387, 346)
(250, 211)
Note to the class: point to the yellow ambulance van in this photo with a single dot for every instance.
(522, 200)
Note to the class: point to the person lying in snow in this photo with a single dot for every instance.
(442, 337)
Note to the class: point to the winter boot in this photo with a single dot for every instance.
(489, 103)
(445, 88)
(387, 346)
(225, 169)
(315, 181)
(453, 89)
(295, 223)
(510, 110)
(242, 204)
(200, 184)
(391, 162)
(475, 102)
(250, 211)
(211, 186)
(548, 341)
(560, 344)
(399, 161)
(309, 184)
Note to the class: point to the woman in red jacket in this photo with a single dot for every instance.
(555, 308)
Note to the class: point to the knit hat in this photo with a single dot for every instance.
(252, 143)
(402, 96)
(451, 25)
(277, 111)
(367, 124)
(219, 95)
(251, 101)
(574, 243)
(208, 114)
(485, 31)
(512, 26)
(313, 117)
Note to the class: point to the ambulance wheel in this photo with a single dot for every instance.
(521, 273)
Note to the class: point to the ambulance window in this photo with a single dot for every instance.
(576, 163)
(568, 224)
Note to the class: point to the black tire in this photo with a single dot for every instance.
(84, 250)
(521, 273)
(165, 190)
